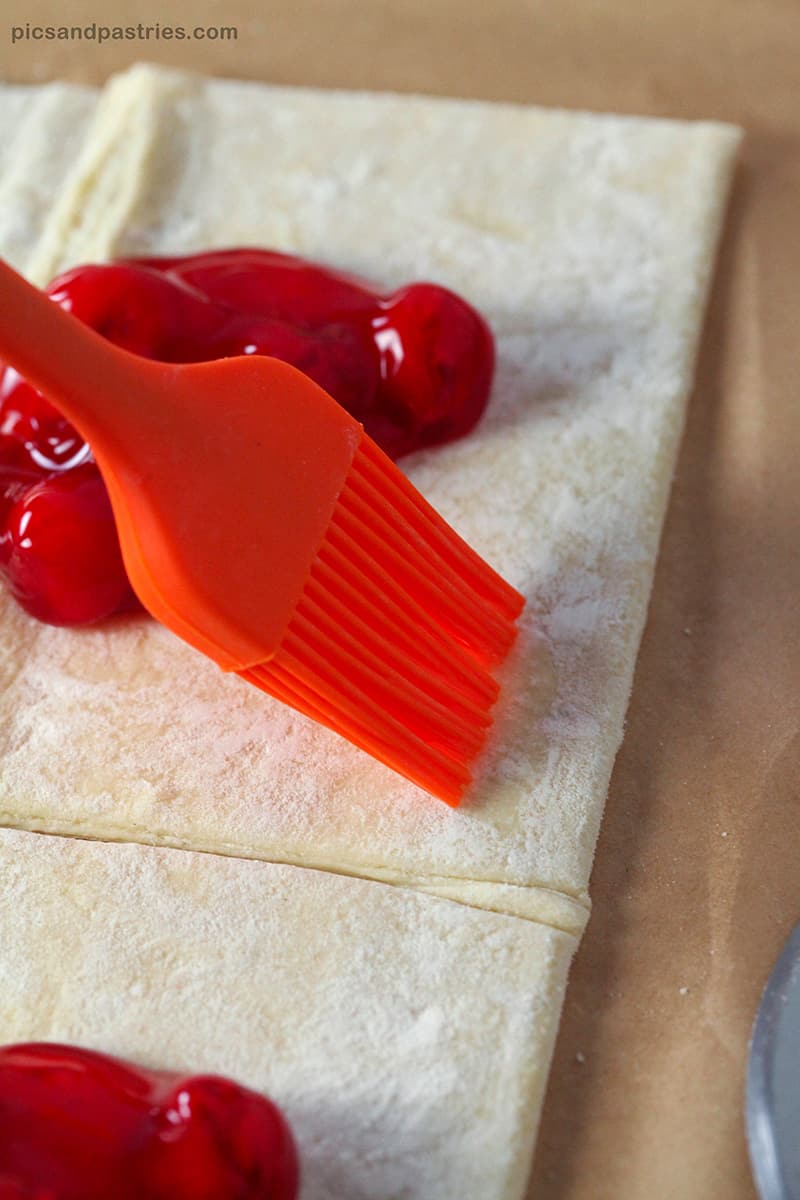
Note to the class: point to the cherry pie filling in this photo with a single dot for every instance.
(78, 1125)
(414, 367)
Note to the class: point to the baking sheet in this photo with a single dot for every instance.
(696, 884)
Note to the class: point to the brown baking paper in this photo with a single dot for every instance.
(696, 883)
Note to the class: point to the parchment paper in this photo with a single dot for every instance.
(696, 883)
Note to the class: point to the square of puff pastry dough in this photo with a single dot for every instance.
(406, 1037)
(587, 241)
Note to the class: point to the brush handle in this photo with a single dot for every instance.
(87, 378)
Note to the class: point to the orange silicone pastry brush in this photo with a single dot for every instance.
(263, 526)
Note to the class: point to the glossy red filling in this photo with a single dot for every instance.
(76, 1125)
(414, 367)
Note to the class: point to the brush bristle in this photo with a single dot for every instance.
(392, 640)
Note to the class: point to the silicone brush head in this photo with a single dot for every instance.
(260, 524)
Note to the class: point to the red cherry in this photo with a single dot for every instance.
(213, 1139)
(265, 283)
(437, 358)
(60, 552)
(46, 441)
(77, 1125)
(14, 458)
(14, 483)
(138, 309)
(338, 357)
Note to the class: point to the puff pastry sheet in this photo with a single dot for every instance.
(587, 241)
(407, 1038)
(406, 1032)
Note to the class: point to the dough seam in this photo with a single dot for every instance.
(568, 915)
